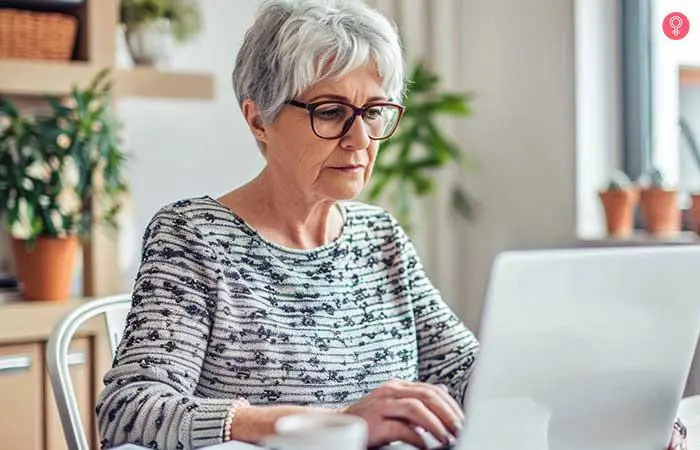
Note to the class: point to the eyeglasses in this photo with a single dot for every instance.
(333, 119)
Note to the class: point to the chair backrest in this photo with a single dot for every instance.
(115, 310)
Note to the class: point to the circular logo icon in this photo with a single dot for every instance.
(676, 25)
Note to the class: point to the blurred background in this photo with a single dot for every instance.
(563, 123)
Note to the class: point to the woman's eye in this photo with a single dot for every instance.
(335, 113)
(373, 113)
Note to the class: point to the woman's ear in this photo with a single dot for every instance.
(252, 117)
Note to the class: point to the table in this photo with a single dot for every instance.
(224, 446)
(688, 412)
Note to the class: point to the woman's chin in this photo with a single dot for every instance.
(346, 192)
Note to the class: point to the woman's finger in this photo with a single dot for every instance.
(415, 412)
(402, 431)
(445, 392)
(432, 397)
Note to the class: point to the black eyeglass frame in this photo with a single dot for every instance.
(357, 111)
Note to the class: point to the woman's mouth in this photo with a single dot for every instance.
(349, 169)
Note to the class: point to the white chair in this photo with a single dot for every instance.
(115, 310)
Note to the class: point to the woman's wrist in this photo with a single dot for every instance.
(253, 423)
(232, 415)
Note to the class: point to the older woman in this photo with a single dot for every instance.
(285, 295)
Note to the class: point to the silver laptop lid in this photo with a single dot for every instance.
(584, 349)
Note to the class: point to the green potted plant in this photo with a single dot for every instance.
(619, 200)
(407, 163)
(149, 26)
(659, 205)
(60, 174)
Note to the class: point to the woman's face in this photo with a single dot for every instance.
(322, 169)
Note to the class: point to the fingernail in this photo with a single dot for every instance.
(457, 424)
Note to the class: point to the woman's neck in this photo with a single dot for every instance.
(280, 214)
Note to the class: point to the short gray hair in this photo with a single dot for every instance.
(296, 43)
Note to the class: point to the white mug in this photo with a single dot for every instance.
(318, 431)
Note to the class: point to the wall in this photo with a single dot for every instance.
(519, 59)
(185, 148)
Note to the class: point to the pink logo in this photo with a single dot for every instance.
(676, 25)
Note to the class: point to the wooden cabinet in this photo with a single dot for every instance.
(28, 414)
(21, 396)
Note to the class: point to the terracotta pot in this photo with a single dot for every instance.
(46, 271)
(619, 208)
(660, 211)
(695, 212)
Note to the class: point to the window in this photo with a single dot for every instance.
(661, 91)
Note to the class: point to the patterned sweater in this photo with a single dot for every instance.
(220, 312)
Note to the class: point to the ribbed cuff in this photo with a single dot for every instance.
(207, 422)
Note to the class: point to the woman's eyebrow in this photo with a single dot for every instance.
(380, 98)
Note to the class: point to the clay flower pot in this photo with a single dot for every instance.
(619, 206)
(695, 212)
(46, 271)
(660, 211)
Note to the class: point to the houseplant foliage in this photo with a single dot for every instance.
(60, 174)
(406, 163)
(148, 23)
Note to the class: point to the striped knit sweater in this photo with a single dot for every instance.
(219, 312)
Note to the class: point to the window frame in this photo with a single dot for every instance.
(637, 87)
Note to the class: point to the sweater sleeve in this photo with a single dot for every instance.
(148, 395)
(447, 350)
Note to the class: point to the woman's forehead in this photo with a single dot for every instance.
(361, 82)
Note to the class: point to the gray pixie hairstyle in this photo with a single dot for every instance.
(296, 43)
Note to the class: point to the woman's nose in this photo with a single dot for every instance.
(357, 137)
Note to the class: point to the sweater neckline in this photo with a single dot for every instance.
(307, 252)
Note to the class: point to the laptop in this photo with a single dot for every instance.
(584, 349)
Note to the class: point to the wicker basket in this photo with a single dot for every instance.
(34, 35)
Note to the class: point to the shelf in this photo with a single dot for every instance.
(39, 78)
(142, 82)
(642, 238)
(40, 3)
(689, 76)
(44, 314)
(49, 78)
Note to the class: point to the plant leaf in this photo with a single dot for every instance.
(463, 203)
(451, 104)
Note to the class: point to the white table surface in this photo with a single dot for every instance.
(244, 446)
(688, 412)
(224, 446)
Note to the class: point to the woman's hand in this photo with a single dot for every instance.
(395, 409)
